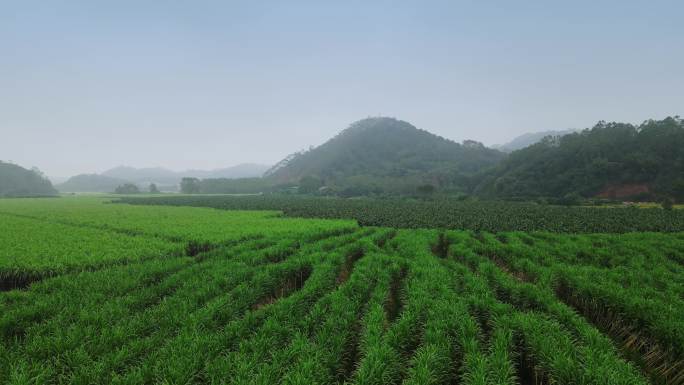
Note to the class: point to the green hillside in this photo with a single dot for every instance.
(386, 155)
(16, 181)
(611, 160)
(90, 183)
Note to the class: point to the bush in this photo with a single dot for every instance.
(127, 188)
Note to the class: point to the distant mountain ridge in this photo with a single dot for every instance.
(530, 138)
(166, 176)
(166, 180)
(90, 183)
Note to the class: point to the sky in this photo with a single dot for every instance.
(89, 85)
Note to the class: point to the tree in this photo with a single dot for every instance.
(127, 188)
(190, 186)
(309, 185)
(678, 189)
(570, 199)
(153, 189)
(426, 189)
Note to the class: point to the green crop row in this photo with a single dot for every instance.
(635, 298)
(30, 248)
(172, 223)
(488, 216)
(332, 303)
(45, 237)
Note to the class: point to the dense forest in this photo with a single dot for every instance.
(16, 181)
(385, 155)
(610, 160)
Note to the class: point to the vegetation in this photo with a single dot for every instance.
(232, 186)
(303, 301)
(445, 213)
(176, 224)
(90, 183)
(65, 248)
(127, 188)
(615, 160)
(385, 155)
(529, 139)
(16, 181)
(190, 185)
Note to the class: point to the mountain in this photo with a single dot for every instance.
(611, 160)
(385, 155)
(16, 181)
(90, 183)
(243, 170)
(168, 177)
(528, 139)
(142, 175)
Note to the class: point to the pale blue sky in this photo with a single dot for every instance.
(88, 85)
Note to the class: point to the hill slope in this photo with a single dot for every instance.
(529, 139)
(614, 160)
(90, 183)
(387, 155)
(169, 177)
(16, 181)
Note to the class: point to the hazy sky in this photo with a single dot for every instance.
(88, 85)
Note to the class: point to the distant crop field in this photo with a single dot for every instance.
(490, 216)
(137, 294)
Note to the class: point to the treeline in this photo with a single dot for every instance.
(225, 186)
(610, 160)
(16, 181)
(491, 216)
(386, 157)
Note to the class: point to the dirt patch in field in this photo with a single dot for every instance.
(441, 247)
(17, 282)
(348, 266)
(623, 191)
(519, 276)
(193, 248)
(529, 373)
(394, 303)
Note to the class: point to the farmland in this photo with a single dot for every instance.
(491, 216)
(95, 292)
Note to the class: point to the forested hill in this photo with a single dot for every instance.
(612, 160)
(386, 155)
(16, 181)
(90, 183)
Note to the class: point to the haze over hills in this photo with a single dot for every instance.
(167, 180)
(165, 176)
(90, 183)
(386, 155)
(16, 181)
(529, 139)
